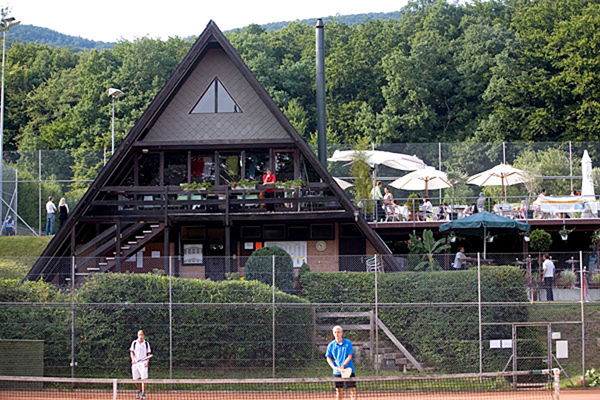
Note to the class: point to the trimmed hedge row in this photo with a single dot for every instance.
(49, 323)
(207, 332)
(442, 336)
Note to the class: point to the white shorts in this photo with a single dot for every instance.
(139, 370)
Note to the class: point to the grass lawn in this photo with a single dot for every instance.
(18, 253)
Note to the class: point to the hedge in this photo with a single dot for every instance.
(204, 335)
(442, 336)
(52, 324)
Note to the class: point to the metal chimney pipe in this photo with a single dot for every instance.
(321, 106)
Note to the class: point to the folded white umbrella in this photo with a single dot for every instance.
(423, 179)
(343, 184)
(587, 183)
(501, 175)
(377, 157)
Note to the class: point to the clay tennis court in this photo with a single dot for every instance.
(182, 395)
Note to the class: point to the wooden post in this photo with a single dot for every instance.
(118, 248)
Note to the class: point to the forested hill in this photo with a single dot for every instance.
(353, 19)
(488, 71)
(31, 34)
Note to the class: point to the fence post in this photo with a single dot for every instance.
(479, 312)
(73, 363)
(171, 317)
(581, 300)
(273, 315)
(40, 191)
(377, 318)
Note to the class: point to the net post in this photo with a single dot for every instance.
(582, 300)
(273, 317)
(114, 389)
(170, 317)
(479, 315)
(556, 392)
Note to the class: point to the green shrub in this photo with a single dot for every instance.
(540, 240)
(442, 336)
(260, 267)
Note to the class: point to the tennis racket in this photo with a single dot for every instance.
(144, 359)
(346, 372)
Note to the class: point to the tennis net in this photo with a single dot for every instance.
(530, 385)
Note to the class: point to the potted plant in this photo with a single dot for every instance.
(413, 201)
(290, 184)
(243, 184)
(595, 279)
(568, 278)
(564, 232)
(490, 238)
(196, 186)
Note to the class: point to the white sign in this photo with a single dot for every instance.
(248, 245)
(562, 349)
(507, 344)
(555, 335)
(556, 204)
(192, 254)
(494, 344)
(156, 254)
(295, 249)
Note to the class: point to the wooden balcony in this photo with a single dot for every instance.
(160, 202)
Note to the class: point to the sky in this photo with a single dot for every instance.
(112, 20)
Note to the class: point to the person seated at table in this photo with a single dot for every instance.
(390, 205)
(523, 209)
(427, 208)
(269, 179)
(442, 212)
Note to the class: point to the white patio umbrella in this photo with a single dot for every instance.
(343, 184)
(501, 175)
(423, 179)
(587, 183)
(377, 157)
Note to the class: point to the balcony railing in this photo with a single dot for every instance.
(315, 197)
(523, 208)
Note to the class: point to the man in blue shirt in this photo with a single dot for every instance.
(340, 355)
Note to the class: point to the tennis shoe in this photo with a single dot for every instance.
(138, 394)
(143, 396)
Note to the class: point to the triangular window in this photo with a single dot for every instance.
(216, 99)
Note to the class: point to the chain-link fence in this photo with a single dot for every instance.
(481, 318)
(29, 177)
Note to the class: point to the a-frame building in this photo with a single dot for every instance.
(212, 121)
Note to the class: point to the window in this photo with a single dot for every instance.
(250, 232)
(322, 232)
(229, 168)
(257, 163)
(274, 232)
(149, 169)
(216, 99)
(202, 167)
(284, 165)
(175, 168)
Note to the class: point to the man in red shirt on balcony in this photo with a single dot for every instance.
(269, 179)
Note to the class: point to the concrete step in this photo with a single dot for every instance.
(144, 232)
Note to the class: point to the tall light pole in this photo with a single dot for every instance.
(115, 94)
(6, 24)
